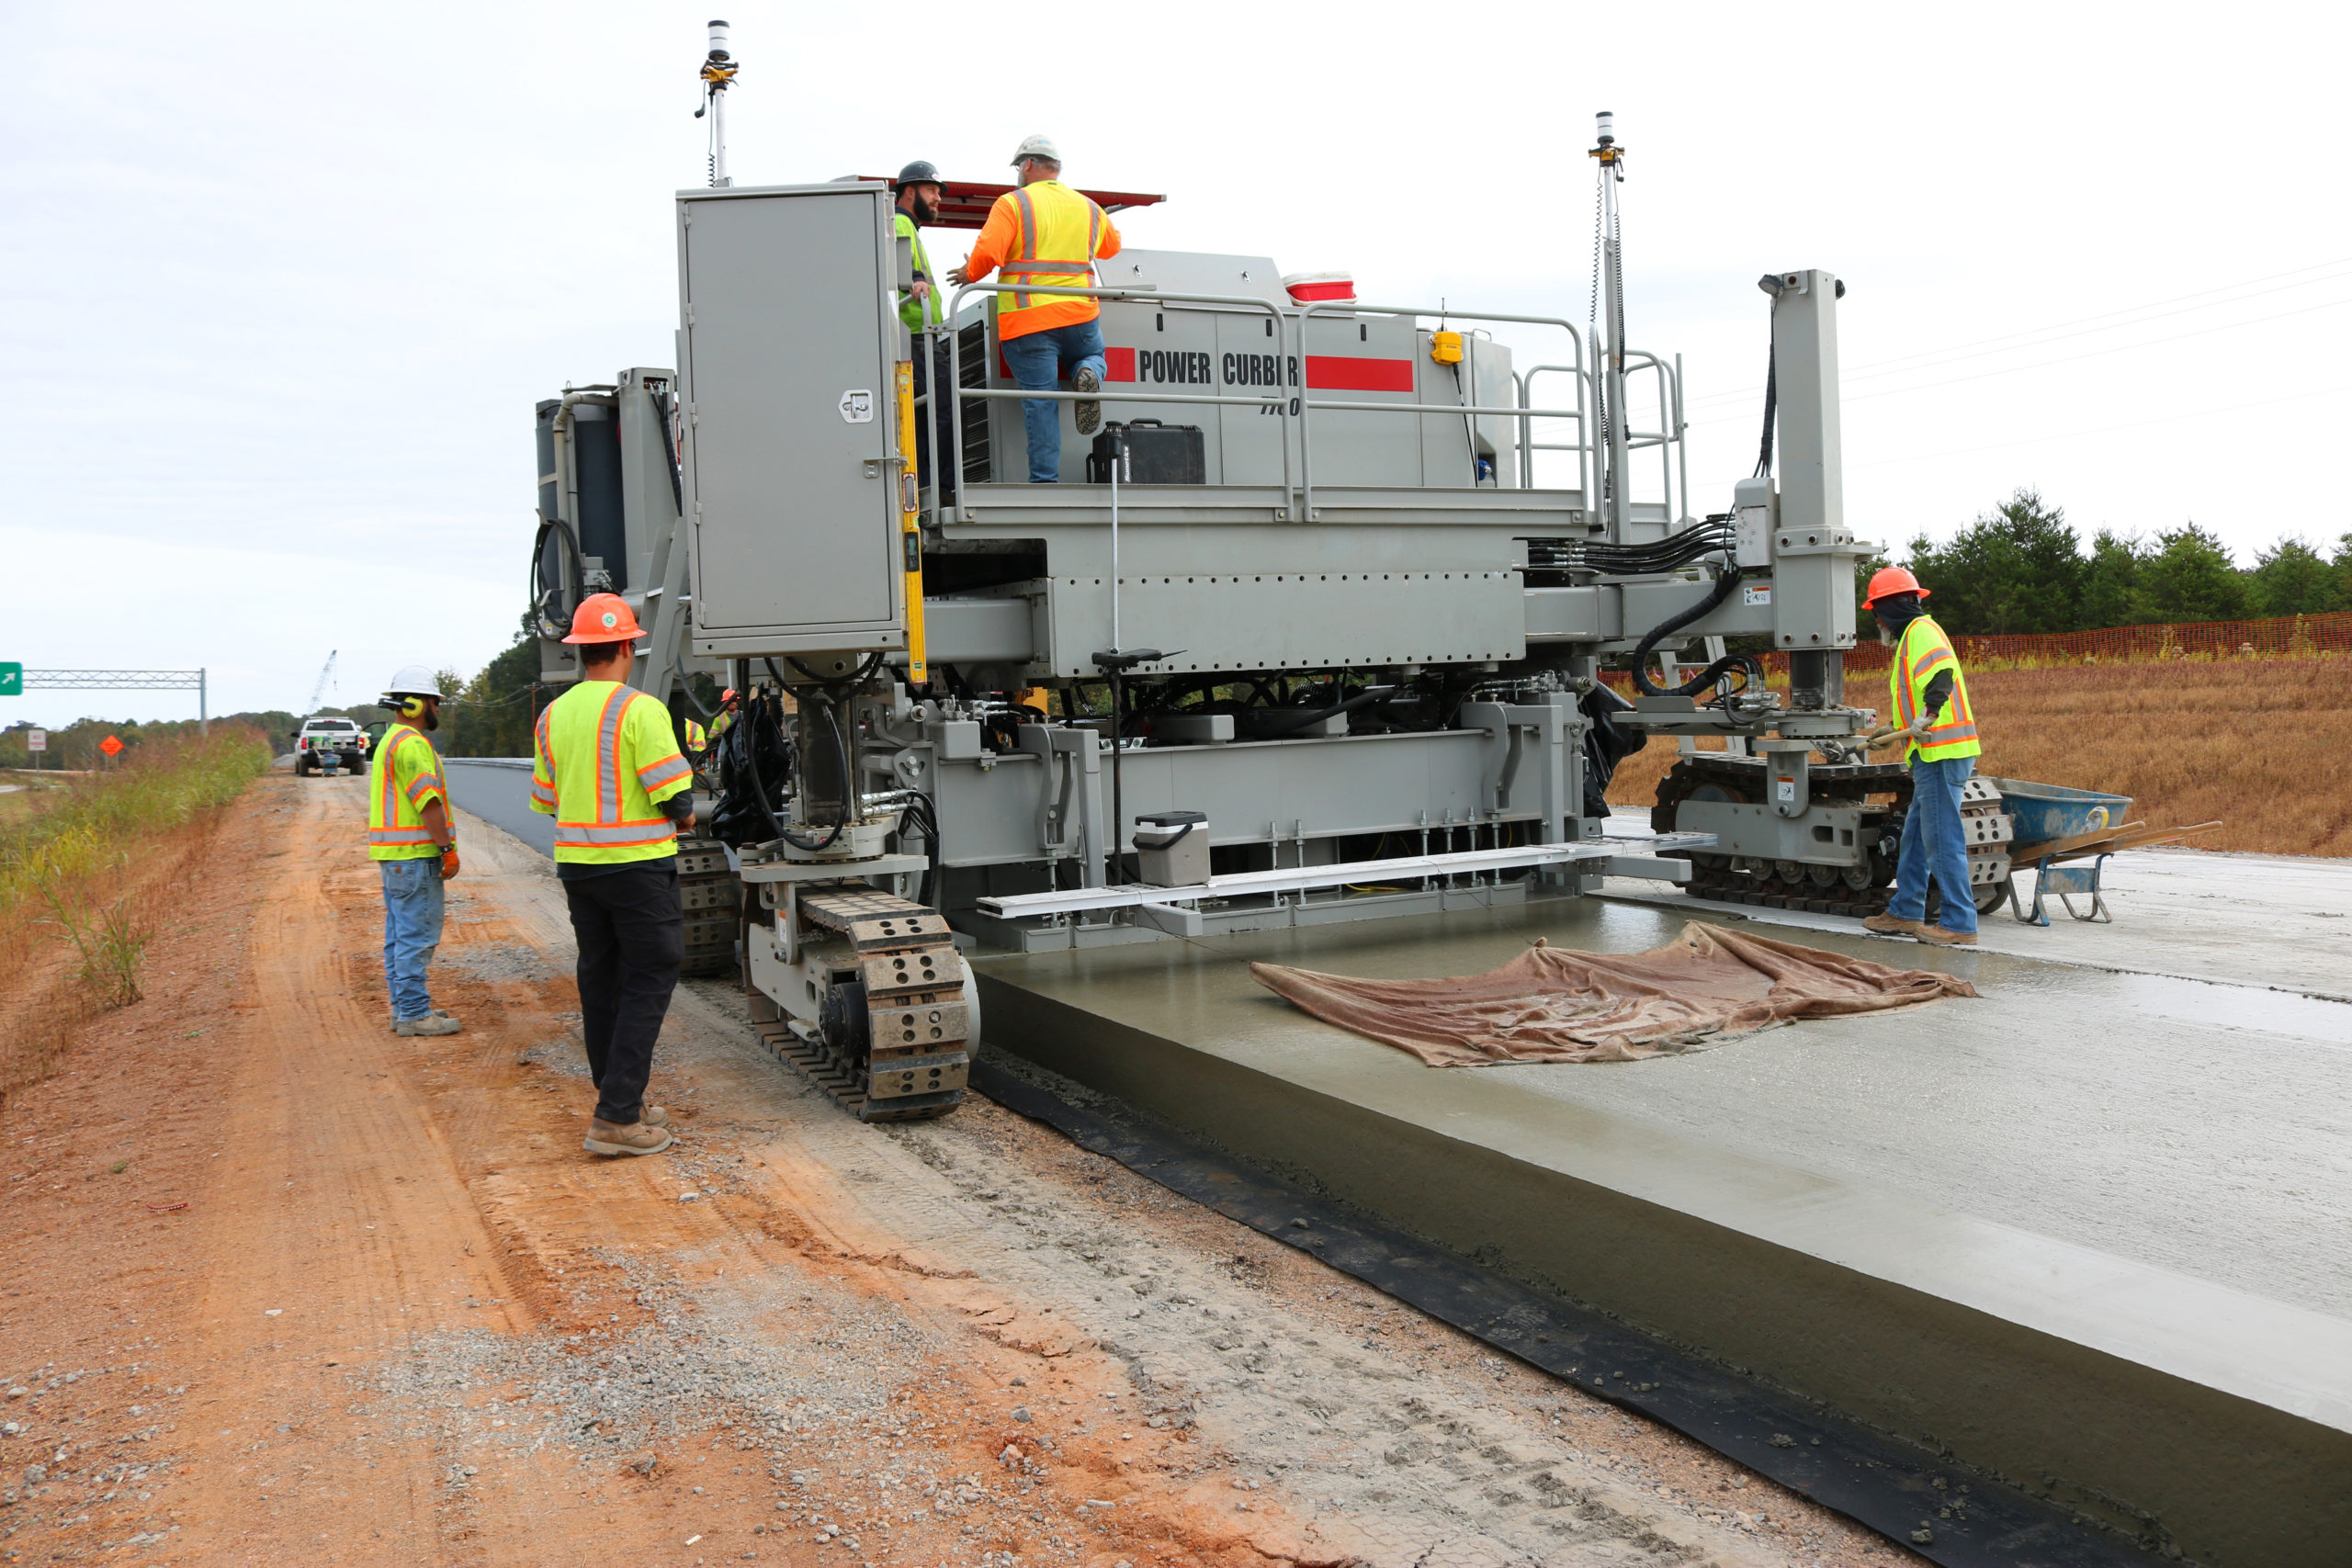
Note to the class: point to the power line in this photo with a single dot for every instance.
(2064, 359)
(2100, 430)
(2058, 331)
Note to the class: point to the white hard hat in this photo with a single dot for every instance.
(1038, 146)
(412, 681)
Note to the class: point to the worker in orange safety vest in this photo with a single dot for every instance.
(606, 765)
(1046, 234)
(1927, 698)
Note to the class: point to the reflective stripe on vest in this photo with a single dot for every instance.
(579, 835)
(1033, 260)
(660, 773)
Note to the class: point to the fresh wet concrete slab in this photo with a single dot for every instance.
(2080, 1232)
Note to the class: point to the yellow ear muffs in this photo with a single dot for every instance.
(412, 707)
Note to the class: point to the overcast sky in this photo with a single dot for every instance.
(280, 284)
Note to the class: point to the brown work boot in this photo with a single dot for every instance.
(1892, 925)
(654, 1115)
(1943, 938)
(431, 1023)
(637, 1138)
(1086, 412)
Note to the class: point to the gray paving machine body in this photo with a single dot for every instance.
(1356, 670)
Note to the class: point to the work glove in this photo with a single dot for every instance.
(449, 862)
(1921, 724)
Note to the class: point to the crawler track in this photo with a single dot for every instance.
(1882, 789)
(894, 1044)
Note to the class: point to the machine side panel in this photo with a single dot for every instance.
(1280, 620)
(1369, 360)
(791, 441)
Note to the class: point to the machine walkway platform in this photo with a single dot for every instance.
(2077, 1234)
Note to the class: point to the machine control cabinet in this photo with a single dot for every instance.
(791, 447)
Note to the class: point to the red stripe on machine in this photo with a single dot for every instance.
(1121, 366)
(1338, 373)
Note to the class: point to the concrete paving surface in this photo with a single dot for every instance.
(2083, 1232)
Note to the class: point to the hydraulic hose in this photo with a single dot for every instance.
(1727, 581)
(540, 588)
(841, 748)
(1287, 722)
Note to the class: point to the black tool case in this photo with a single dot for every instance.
(1155, 453)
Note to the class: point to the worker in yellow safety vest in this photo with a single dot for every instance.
(1927, 698)
(697, 740)
(1046, 234)
(606, 765)
(916, 192)
(413, 846)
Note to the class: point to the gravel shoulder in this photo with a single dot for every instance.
(283, 1288)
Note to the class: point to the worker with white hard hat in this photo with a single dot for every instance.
(1046, 234)
(606, 765)
(415, 848)
(1928, 700)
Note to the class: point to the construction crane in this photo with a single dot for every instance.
(319, 691)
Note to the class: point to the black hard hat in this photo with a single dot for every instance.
(917, 173)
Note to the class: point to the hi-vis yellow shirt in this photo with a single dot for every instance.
(1923, 652)
(605, 759)
(403, 780)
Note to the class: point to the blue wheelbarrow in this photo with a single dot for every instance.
(2054, 824)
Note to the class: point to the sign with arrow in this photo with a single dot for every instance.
(12, 680)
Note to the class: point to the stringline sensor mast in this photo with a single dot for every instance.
(718, 68)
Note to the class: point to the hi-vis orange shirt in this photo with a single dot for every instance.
(1044, 233)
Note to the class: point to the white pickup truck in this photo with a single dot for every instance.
(322, 743)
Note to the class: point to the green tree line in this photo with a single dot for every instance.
(2021, 568)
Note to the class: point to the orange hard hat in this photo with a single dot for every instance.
(604, 617)
(1889, 581)
(727, 697)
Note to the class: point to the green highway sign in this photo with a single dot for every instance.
(12, 680)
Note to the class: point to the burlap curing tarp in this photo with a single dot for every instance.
(1552, 1005)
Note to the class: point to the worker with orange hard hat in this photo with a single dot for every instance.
(606, 765)
(1927, 698)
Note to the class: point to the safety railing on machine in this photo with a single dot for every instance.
(1278, 401)
(1515, 412)
(1291, 330)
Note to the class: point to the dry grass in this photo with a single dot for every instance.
(2264, 746)
(89, 876)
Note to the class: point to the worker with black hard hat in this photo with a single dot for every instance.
(917, 191)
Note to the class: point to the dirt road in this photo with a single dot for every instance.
(282, 1288)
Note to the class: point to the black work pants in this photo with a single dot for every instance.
(632, 934)
(931, 434)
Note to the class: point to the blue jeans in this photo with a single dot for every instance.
(1932, 846)
(412, 930)
(1039, 361)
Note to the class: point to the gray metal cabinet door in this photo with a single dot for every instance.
(792, 425)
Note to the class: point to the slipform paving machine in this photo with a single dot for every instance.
(1300, 638)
